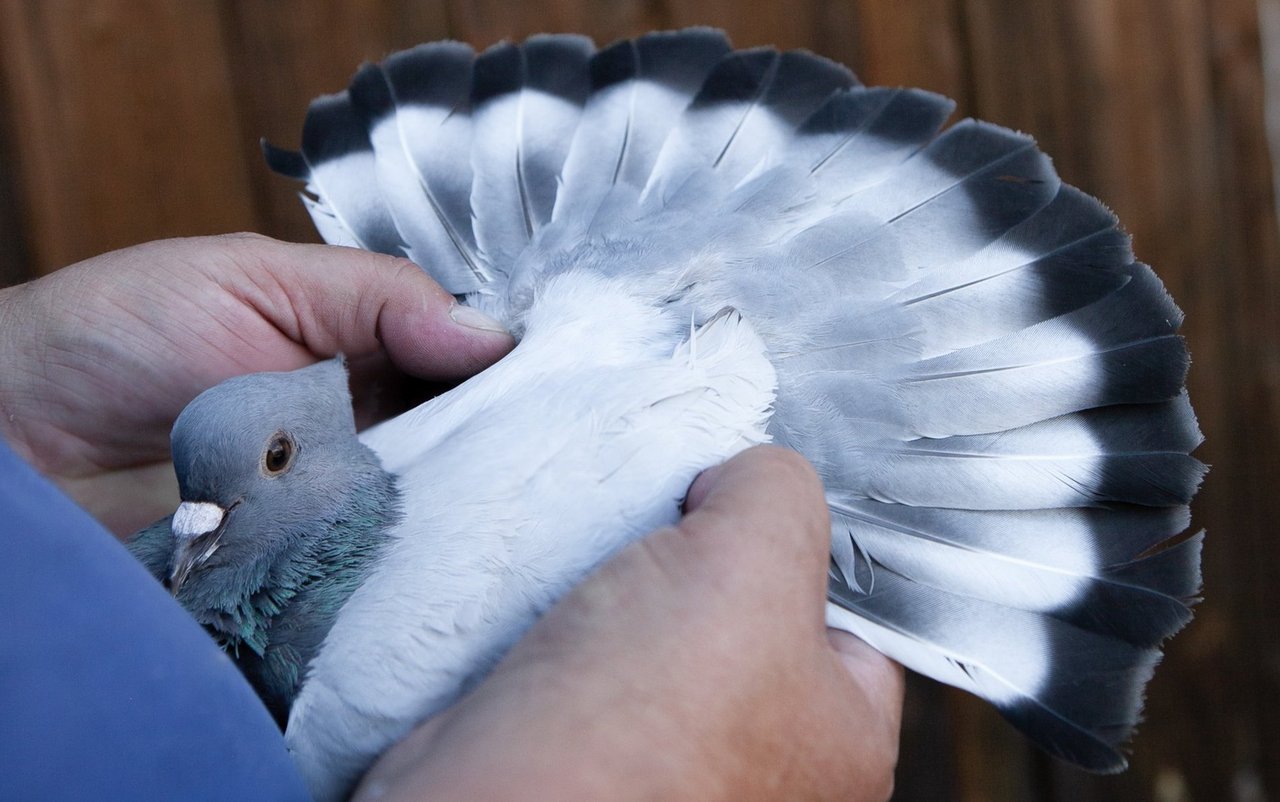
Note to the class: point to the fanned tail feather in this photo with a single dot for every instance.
(337, 163)
(526, 100)
(1133, 453)
(1076, 693)
(744, 115)
(1121, 349)
(639, 87)
(947, 553)
(991, 387)
(861, 134)
(421, 143)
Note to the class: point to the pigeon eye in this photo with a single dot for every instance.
(278, 456)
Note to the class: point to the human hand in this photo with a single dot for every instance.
(694, 665)
(98, 359)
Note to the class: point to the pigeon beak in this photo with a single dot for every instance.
(198, 527)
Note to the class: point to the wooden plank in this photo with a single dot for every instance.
(1082, 77)
(1242, 505)
(983, 759)
(922, 45)
(752, 23)
(127, 130)
(926, 760)
(1156, 109)
(484, 22)
(15, 264)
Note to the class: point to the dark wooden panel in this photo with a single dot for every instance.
(126, 128)
(15, 263)
(928, 769)
(925, 48)
(1156, 108)
(752, 23)
(484, 22)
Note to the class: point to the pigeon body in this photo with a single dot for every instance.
(700, 249)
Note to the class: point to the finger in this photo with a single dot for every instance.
(874, 697)
(379, 391)
(355, 302)
(760, 515)
(882, 679)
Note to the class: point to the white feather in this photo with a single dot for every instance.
(432, 237)
(329, 221)
(601, 444)
(951, 666)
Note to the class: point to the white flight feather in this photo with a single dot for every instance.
(339, 195)
(332, 228)
(431, 237)
(617, 134)
(1030, 666)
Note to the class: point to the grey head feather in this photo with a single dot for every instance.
(306, 508)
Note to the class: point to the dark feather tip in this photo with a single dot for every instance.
(498, 71)
(285, 162)
(557, 65)
(615, 64)
(333, 129)
(370, 95)
(436, 74)
(737, 78)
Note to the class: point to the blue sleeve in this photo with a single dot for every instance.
(108, 690)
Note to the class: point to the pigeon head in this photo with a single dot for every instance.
(267, 465)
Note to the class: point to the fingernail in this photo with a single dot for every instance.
(473, 318)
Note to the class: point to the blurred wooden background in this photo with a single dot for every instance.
(128, 120)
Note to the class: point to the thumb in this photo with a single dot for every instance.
(758, 525)
(778, 499)
(333, 299)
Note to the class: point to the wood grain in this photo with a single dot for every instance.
(127, 130)
(15, 263)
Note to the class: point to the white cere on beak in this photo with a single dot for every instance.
(196, 518)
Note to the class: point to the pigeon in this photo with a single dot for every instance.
(699, 249)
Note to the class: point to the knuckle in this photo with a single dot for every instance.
(399, 272)
(403, 265)
(883, 788)
(242, 238)
(249, 252)
(797, 482)
(789, 465)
